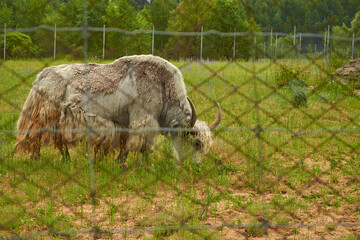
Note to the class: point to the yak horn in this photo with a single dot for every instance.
(193, 115)
(217, 120)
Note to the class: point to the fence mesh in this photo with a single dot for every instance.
(284, 162)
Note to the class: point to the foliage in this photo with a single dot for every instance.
(189, 16)
(18, 45)
(142, 41)
(227, 16)
(298, 93)
(160, 11)
(285, 73)
(307, 15)
(6, 15)
(292, 78)
(182, 16)
(347, 32)
(119, 14)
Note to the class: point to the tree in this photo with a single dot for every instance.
(63, 14)
(189, 16)
(28, 13)
(6, 14)
(348, 32)
(119, 14)
(227, 16)
(159, 11)
(139, 4)
(142, 42)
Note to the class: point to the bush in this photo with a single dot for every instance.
(18, 45)
(298, 92)
(299, 97)
(286, 73)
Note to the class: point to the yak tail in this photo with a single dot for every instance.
(25, 124)
(38, 112)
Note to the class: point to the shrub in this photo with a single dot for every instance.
(298, 92)
(285, 73)
(18, 45)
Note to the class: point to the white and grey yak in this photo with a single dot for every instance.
(125, 103)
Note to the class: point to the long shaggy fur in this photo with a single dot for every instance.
(136, 92)
(38, 113)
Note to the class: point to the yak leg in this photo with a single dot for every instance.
(36, 148)
(62, 148)
(142, 140)
(122, 156)
(123, 150)
(144, 126)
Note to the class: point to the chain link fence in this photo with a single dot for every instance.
(284, 162)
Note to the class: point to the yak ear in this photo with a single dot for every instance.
(217, 120)
(193, 115)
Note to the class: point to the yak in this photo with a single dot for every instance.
(120, 105)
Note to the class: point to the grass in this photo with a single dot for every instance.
(271, 160)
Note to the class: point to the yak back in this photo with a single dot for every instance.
(149, 72)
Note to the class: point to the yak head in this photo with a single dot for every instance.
(196, 140)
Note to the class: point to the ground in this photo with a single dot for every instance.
(278, 168)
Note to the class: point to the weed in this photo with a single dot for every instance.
(330, 227)
(255, 230)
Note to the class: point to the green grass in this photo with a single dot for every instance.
(271, 159)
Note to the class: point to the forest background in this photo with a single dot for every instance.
(250, 16)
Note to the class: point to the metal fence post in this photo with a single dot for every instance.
(152, 40)
(324, 45)
(299, 49)
(234, 49)
(4, 41)
(294, 43)
(256, 50)
(276, 38)
(55, 42)
(103, 56)
(271, 33)
(201, 44)
(264, 50)
(328, 43)
(352, 46)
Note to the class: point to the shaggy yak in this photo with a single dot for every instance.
(125, 103)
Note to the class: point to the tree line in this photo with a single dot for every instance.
(310, 16)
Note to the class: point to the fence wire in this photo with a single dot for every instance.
(284, 162)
